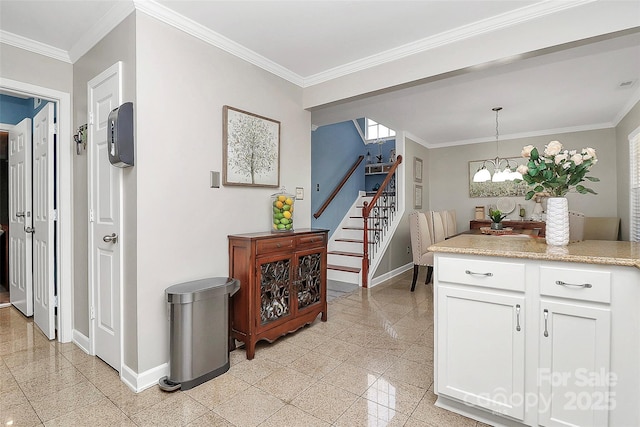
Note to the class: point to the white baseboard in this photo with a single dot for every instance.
(393, 273)
(140, 382)
(81, 340)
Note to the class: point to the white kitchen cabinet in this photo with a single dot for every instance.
(481, 348)
(575, 347)
(574, 364)
(575, 360)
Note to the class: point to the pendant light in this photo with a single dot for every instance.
(499, 175)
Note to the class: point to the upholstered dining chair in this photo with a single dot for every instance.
(576, 226)
(601, 227)
(420, 241)
(450, 225)
(436, 226)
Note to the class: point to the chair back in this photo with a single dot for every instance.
(450, 225)
(420, 235)
(601, 228)
(436, 226)
(576, 226)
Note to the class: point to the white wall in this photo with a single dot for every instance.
(626, 126)
(396, 255)
(28, 67)
(183, 224)
(449, 175)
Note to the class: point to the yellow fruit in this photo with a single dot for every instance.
(282, 198)
(287, 214)
(288, 202)
(279, 204)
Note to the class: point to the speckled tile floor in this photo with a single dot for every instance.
(371, 364)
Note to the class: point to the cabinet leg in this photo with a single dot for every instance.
(251, 349)
(416, 267)
(324, 315)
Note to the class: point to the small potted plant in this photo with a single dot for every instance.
(496, 218)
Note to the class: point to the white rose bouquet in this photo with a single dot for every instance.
(557, 171)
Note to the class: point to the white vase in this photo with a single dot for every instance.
(557, 233)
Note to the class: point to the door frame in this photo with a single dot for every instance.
(64, 185)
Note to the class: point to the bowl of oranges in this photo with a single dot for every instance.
(282, 211)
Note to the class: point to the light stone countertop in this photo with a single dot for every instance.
(626, 254)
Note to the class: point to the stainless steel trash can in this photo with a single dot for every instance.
(199, 331)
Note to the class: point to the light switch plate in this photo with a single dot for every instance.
(299, 193)
(214, 179)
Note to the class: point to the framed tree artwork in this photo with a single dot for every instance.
(251, 149)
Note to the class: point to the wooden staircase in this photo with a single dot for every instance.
(345, 251)
(359, 241)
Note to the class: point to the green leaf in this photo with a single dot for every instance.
(538, 188)
(534, 156)
(590, 190)
(529, 195)
(533, 171)
(542, 166)
(592, 178)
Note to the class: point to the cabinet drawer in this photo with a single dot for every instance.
(274, 245)
(310, 241)
(489, 274)
(587, 285)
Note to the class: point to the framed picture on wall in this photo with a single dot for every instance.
(417, 196)
(251, 149)
(417, 169)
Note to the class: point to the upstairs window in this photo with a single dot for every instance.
(375, 131)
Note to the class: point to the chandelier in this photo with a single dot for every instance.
(502, 168)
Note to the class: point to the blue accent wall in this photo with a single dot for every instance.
(13, 110)
(334, 149)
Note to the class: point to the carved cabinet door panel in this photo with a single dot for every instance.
(275, 275)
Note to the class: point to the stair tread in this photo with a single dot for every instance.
(350, 240)
(360, 217)
(345, 253)
(343, 268)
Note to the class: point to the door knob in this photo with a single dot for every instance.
(19, 214)
(29, 230)
(113, 238)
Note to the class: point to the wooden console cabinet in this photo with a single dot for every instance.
(475, 224)
(283, 283)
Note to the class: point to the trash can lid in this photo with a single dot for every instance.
(188, 292)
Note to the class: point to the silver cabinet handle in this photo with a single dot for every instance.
(30, 230)
(113, 238)
(518, 317)
(546, 318)
(478, 274)
(19, 214)
(575, 285)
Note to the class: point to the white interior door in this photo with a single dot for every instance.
(43, 222)
(20, 241)
(104, 93)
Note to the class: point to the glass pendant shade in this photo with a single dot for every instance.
(483, 175)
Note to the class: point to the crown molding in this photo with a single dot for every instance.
(34, 46)
(169, 17)
(485, 26)
(106, 24)
(635, 98)
(544, 132)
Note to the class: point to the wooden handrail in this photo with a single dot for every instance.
(336, 190)
(366, 210)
